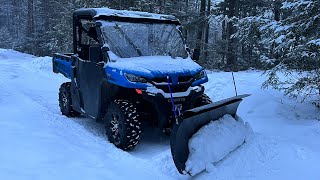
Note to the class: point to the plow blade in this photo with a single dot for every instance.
(192, 120)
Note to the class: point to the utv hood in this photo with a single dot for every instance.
(154, 66)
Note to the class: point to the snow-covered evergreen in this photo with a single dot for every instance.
(296, 50)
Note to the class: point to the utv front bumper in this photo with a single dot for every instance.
(162, 105)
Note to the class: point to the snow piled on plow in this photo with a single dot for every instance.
(215, 141)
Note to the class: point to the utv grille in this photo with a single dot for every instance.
(160, 80)
(184, 82)
(181, 79)
(185, 79)
(174, 89)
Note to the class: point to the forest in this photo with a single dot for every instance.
(281, 37)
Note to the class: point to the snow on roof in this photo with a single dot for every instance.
(132, 14)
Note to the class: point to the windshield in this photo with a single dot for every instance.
(127, 39)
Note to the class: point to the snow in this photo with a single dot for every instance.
(288, 5)
(282, 28)
(215, 141)
(155, 64)
(132, 14)
(280, 39)
(37, 142)
(315, 42)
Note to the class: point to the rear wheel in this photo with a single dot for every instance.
(123, 126)
(203, 100)
(65, 101)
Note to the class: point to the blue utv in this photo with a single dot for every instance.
(131, 67)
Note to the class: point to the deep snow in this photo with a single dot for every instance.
(215, 141)
(37, 142)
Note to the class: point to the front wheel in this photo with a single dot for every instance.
(122, 123)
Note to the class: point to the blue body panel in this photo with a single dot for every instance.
(63, 66)
(117, 76)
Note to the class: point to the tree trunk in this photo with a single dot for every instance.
(30, 20)
(206, 41)
(233, 11)
(277, 6)
(201, 26)
(162, 5)
(186, 18)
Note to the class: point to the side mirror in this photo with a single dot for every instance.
(196, 54)
(105, 49)
(95, 54)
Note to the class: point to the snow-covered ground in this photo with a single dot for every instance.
(37, 142)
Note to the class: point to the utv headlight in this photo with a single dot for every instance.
(134, 78)
(200, 75)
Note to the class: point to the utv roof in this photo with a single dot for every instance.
(124, 15)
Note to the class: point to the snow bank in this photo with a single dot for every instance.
(43, 64)
(12, 54)
(214, 142)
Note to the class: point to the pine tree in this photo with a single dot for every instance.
(297, 46)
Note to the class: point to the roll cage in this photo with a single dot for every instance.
(85, 27)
